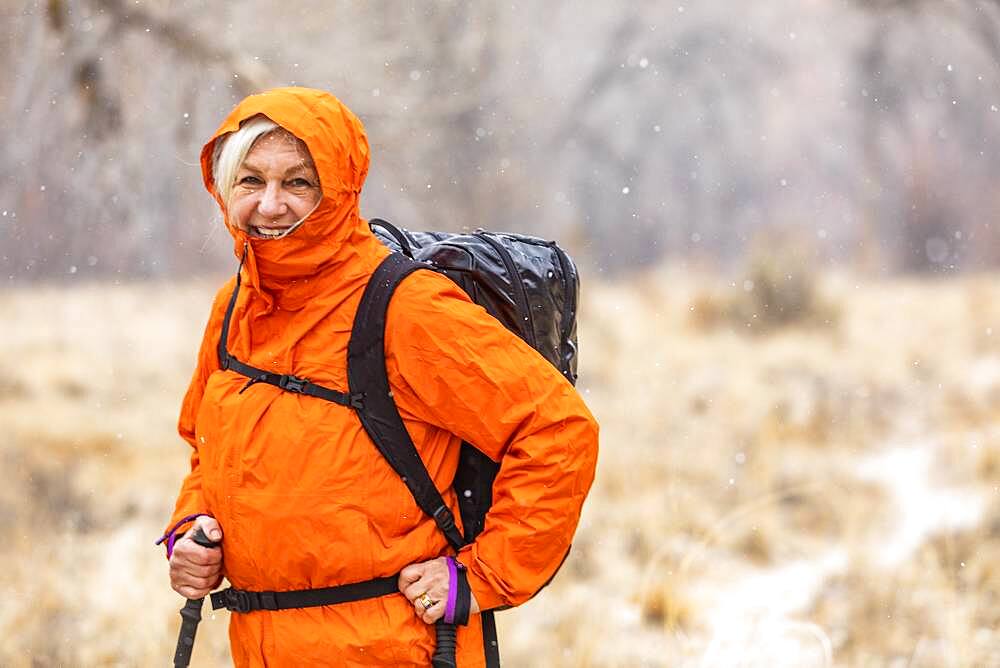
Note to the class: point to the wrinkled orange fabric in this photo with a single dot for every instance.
(304, 498)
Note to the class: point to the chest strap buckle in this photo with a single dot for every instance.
(291, 383)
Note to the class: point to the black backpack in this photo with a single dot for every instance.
(530, 285)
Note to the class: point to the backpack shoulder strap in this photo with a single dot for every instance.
(367, 376)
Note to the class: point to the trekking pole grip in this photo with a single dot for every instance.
(444, 650)
(191, 613)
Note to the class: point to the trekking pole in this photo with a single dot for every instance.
(191, 613)
(444, 649)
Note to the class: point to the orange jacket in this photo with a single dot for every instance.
(304, 498)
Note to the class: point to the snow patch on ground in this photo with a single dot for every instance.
(754, 617)
(921, 508)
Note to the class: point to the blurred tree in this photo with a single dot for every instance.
(631, 133)
(910, 195)
(657, 138)
(87, 176)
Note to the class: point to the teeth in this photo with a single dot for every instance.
(270, 233)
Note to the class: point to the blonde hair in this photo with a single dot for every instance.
(231, 150)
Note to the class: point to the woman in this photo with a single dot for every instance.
(291, 485)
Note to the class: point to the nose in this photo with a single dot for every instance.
(272, 203)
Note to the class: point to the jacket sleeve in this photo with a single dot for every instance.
(471, 376)
(190, 501)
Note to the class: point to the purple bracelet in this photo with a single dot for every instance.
(171, 535)
(449, 610)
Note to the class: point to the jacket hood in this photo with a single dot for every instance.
(333, 237)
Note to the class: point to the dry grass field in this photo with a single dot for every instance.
(792, 474)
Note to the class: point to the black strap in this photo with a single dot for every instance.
(367, 376)
(224, 357)
(463, 598)
(490, 645)
(393, 231)
(285, 381)
(240, 600)
(290, 383)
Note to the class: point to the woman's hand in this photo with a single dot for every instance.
(430, 578)
(197, 570)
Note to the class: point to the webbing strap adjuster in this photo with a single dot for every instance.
(235, 600)
(444, 518)
(239, 600)
(291, 383)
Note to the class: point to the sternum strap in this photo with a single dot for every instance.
(284, 381)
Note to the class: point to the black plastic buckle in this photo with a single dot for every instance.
(292, 383)
(444, 518)
(237, 600)
(357, 400)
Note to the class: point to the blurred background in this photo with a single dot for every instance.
(784, 216)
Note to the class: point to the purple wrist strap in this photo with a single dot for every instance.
(171, 535)
(449, 610)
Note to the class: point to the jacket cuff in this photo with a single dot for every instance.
(486, 596)
(170, 536)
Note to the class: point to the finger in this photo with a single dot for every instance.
(409, 575)
(199, 556)
(210, 526)
(412, 591)
(413, 587)
(191, 592)
(187, 569)
(199, 584)
(196, 571)
(433, 581)
(202, 584)
(190, 552)
(437, 592)
(188, 540)
(422, 602)
(431, 614)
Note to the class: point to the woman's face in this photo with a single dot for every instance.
(276, 186)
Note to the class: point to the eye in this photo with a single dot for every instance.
(300, 183)
(250, 181)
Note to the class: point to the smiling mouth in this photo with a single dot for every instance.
(269, 232)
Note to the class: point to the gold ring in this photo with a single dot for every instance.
(426, 601)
